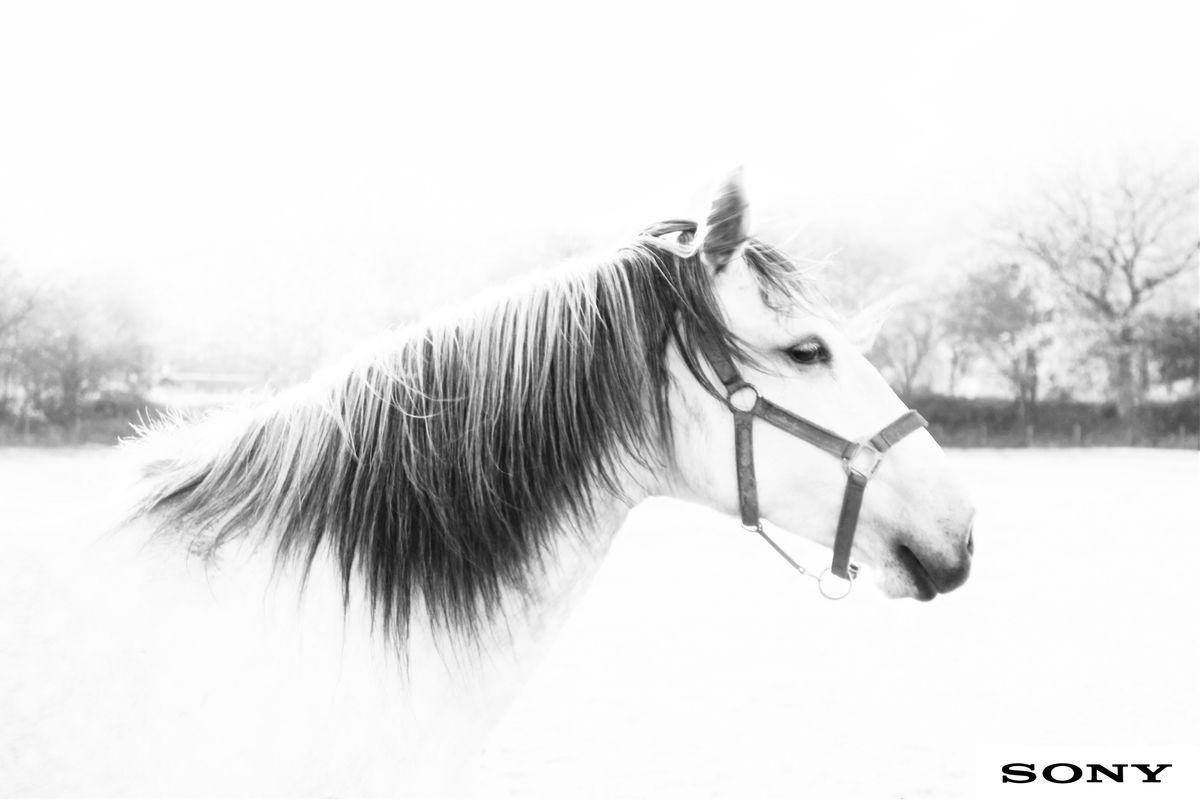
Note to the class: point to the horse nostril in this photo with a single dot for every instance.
(971, 541)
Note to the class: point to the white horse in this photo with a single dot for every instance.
(443, 500)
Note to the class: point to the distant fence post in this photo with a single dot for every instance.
(983, 433)
(1078, 434)
(1029, 436)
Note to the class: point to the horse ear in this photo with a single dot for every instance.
(723, 235)
(863, 328)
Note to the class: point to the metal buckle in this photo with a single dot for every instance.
(854, 465)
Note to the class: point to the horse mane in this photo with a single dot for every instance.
(440, 462)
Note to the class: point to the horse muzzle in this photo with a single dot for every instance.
(936, 572)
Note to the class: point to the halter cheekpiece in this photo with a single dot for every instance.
(860, 459)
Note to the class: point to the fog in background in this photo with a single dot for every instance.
(284, 171)
(231, 196)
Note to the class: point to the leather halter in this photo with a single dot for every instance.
(860, 459)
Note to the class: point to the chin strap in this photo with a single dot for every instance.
(860, 459)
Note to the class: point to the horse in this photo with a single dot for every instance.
(397, 540)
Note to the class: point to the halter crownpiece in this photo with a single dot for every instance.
(860, 459)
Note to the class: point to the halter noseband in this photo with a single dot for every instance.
(860, 459)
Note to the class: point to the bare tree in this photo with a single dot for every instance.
(16, 299)
(1111, 248)
(17, 303)
(904, 346)
(1173, 347)
(996, 314)
(63, 349)
(865, 275)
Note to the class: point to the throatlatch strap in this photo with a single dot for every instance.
(852, 500)
(743, 441)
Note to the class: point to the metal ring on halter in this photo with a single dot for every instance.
(741, 391)
(827, 595)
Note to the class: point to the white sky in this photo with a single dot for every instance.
(225, 155)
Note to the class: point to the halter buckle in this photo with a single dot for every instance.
(862, 459)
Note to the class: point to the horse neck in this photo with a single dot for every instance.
(426, 720)
(456, 696)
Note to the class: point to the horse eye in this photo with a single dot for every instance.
(812, 351)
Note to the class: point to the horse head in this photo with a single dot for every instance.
(779, 344)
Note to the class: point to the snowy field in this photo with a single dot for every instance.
(700, 666)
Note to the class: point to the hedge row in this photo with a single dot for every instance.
(954, 421)
(961, 422)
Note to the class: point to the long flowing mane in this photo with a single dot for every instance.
(440, 463)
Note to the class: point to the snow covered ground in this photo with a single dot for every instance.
(700, 666)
